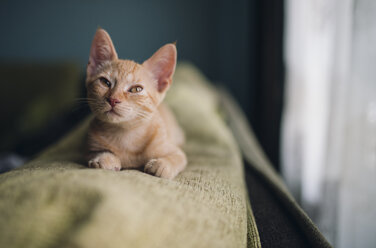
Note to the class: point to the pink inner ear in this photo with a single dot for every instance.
(102, 50)
(162, 65)
(162, 86)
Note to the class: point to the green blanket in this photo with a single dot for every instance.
(56, 201)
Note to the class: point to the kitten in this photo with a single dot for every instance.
(131, 127)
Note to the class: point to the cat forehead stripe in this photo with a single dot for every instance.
(126, 67)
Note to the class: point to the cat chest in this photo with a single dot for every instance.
(130, 152)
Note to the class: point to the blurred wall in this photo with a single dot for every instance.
(212, 34)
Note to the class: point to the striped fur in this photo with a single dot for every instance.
(139, 131)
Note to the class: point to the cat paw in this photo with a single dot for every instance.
(159, 168)
(106, 161)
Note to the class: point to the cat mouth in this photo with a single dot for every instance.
(112, 111)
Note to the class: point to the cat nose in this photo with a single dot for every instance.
(113, 101)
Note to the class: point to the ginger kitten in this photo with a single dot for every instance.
(131, 127)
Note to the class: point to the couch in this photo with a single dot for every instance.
(55, 200)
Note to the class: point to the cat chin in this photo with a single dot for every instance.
(109, 117)
(113, 118)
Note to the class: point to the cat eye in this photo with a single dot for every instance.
(135, 89)
(105, 81)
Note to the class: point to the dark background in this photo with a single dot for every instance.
(235, 43)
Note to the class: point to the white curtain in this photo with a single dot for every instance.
(329, 122)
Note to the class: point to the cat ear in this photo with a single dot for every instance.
(101, 50)
(162, 65)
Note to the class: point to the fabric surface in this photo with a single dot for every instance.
(56, 201)
(262, 169)
(276, 226)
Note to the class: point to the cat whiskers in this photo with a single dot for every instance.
(80, 103)
(95, 104)
(86, 100)
(144, 115)
(122, 110)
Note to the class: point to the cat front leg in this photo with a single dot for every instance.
(167, 166)
(105, 160)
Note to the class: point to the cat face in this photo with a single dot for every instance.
(123, 91)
